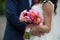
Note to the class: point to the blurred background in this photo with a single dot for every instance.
(3, 19)
(2, 7)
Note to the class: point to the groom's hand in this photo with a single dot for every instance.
(29, 25)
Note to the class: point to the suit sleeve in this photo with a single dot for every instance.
(11, 14)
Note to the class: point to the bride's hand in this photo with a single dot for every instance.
(36, 32)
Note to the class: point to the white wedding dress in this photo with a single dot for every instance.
(52, 35)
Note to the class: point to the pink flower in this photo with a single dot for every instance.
(31, 16)
(27, 19)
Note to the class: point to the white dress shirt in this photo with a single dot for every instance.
(30, 3)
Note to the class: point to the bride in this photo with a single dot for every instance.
(46, 8)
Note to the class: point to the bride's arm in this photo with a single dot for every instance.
(47, 10)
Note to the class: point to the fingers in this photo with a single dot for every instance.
(35, 32)
(41, 33)
(21, 19)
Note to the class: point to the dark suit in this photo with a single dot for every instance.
(14, 28)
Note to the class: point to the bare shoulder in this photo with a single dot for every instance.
(47, 6)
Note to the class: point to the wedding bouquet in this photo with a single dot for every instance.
(31, 17)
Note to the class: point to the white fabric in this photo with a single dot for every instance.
(28, 30)
(52, 35)
(30, 3)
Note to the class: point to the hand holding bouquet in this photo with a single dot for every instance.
(30, 17)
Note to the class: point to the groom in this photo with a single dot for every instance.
(14, 28)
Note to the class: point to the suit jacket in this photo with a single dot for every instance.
(14, 28)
